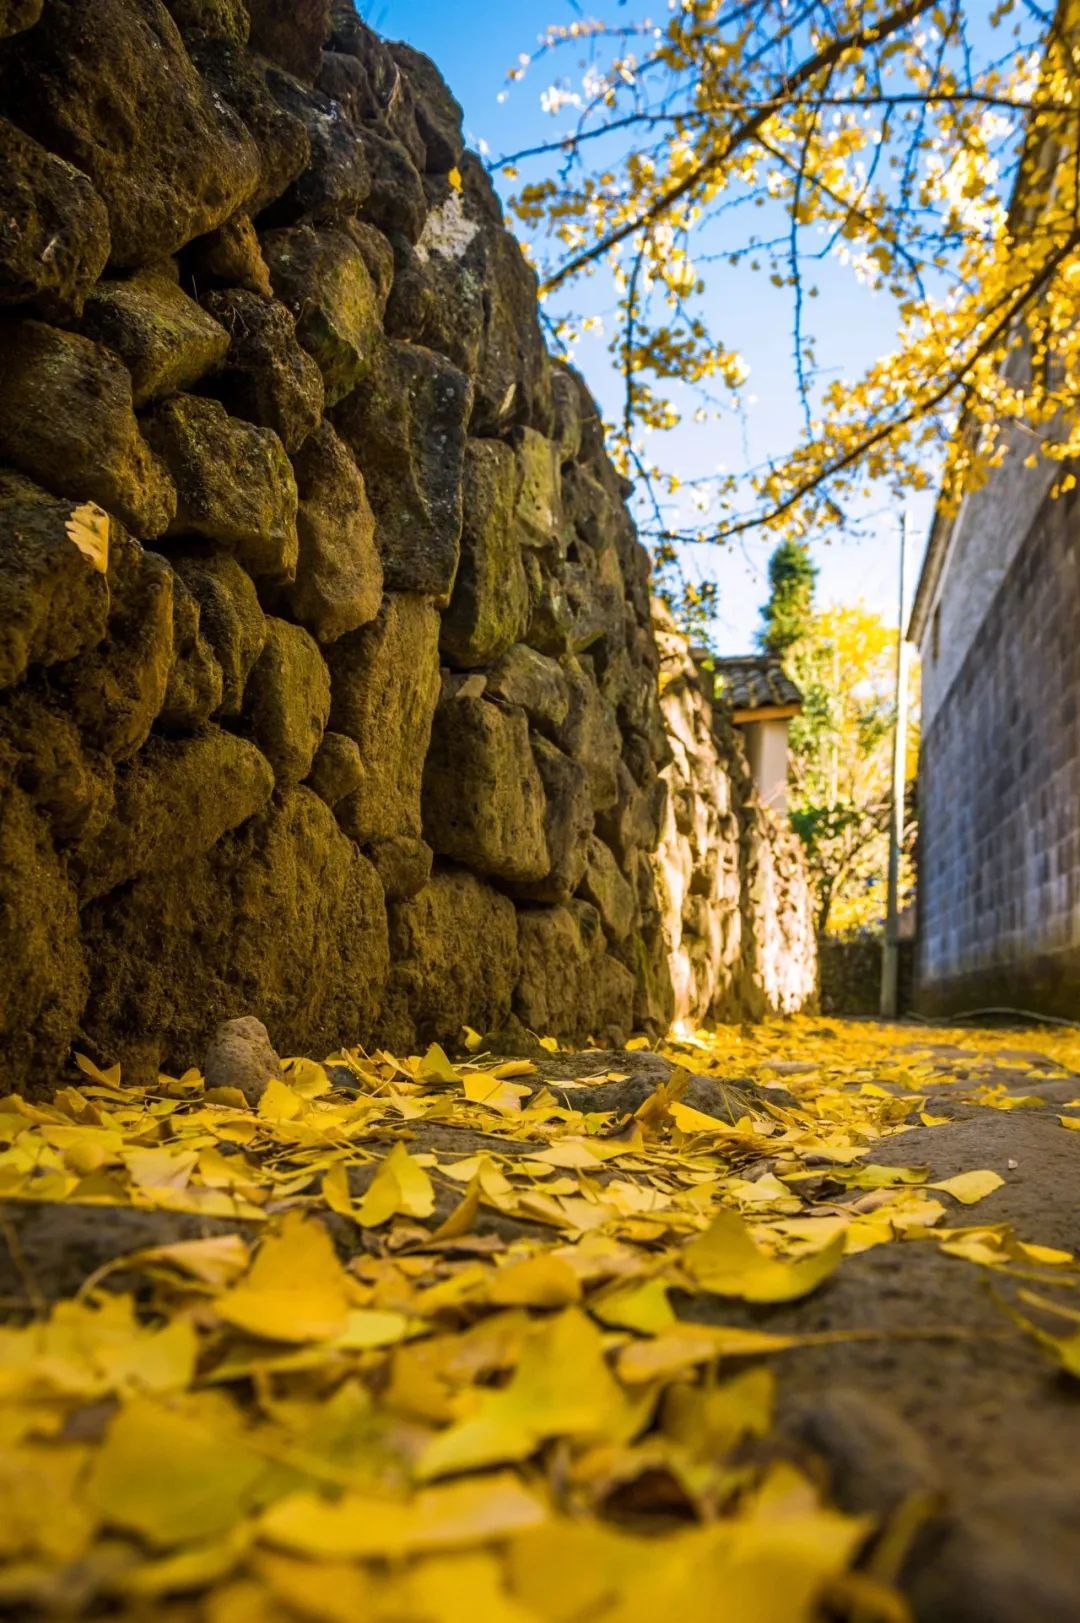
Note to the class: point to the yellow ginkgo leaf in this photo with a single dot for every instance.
(400, 1185)
(541, 1281)
(295, 1290)
(726, 1261)
(968, 1187)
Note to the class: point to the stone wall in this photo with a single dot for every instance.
(999, 845)
(737, 914)
(328, 687)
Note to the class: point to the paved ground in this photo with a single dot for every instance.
(924, 1404)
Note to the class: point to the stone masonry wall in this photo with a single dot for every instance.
(999, 845)
(735, 903)
(328, 686)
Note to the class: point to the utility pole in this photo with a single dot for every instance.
(890, 951)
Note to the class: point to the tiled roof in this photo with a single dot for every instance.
(755, 682)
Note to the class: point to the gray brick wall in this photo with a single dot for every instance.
(999, 840)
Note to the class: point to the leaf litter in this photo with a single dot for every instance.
(435, 1354)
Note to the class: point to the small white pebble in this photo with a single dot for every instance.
(1012, 1165)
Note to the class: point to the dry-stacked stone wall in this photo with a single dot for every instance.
(730, 877)
(328, 686)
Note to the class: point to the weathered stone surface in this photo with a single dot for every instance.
(336, 181)
(591, 735)
(455, 962)
(267, 377)
(384, 689)
(196, 685)
(43, 976)
(568, 821)
(396, 202)
(483, 797)
(569, 987)
(380, 94)
(169, 160)
(54, 228)
(489, 608)
(539, 511)
(116, 692)
(234, 483)
(42, 753)
(337, 769)
(230, 255)
(438, 115)
(466, 291)
(173, 802)
(282, 139)
(163, 338)
(287, 701)
(54, 602)
(610, 892)
(66, 419)
(211, 19)
(291, 33)
(241, 1055)
(566, 413)
(551, 618)
(230, 618)
(402, 864)
(406, 427)
(322, 277)
(15, 15)
(339, 575)
(535, 683)
(284, 916)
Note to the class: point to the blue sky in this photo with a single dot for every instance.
(474, 43)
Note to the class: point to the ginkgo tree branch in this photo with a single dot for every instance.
(744, 132)
(955, 380)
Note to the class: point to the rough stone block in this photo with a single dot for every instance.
(339, 576)
(287, 701)
(610, 892)
(231, 256)
(15, 15)
(267, 377)
(234, 483)
(489, 608)
(290, 33)
(42, 753)
(54, 228)
(196, 683)
(43, 977)
(54, 598)
(229, 618)
(173, 802)
(384, 688)
(396, 203)
(241, 1055)
(438, 115)
(283, 919)
(284, 145)
(163, 338)
(483, 797)
(321, 275)
(66, 419)
(170, 160)
(336, 181)
(569, 987)
(211, 19)
(539, 511)
(406, 428)
(537, 684)
(403, 864)
(116, 692)
(568, 821)
(337, 769)
(455, 962)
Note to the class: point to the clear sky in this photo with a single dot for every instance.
(475, 42)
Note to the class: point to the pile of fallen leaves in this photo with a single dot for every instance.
(429, 1349)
